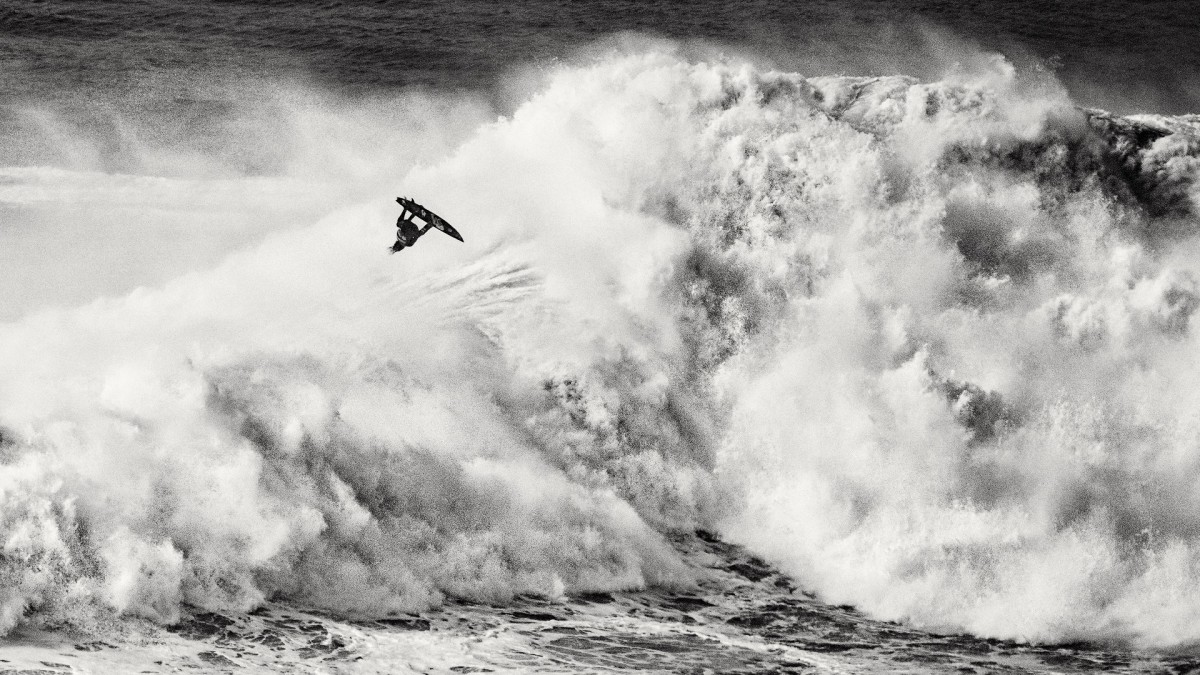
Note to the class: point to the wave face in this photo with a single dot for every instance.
(927, 346)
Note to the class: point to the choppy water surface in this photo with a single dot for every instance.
(1137, 57)
(742, 616)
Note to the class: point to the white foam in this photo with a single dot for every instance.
(892, 334)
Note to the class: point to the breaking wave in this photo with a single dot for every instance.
(927, 346)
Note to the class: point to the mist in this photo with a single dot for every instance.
(923, 344)
(102, 194)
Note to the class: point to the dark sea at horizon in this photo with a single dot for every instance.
(829, 336)
(1121, 56)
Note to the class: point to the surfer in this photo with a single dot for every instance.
(407, 232)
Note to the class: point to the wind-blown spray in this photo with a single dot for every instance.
(925, 345)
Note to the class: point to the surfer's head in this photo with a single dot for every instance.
(398, 246)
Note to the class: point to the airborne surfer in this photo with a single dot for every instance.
(407, 232)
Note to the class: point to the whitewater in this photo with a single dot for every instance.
(925, 347)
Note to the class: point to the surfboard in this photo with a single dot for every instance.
(429, 217)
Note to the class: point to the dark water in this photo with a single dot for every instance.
(744, 618)
(1125, 56)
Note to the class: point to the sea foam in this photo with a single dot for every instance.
(925, 345)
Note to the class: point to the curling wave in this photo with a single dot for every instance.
(927, 346)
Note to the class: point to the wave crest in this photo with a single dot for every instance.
(925, 345)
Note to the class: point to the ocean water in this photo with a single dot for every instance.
(786, 337)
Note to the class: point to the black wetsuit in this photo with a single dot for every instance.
(407, 232)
